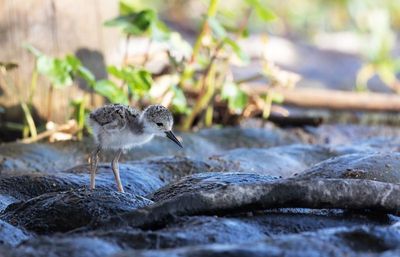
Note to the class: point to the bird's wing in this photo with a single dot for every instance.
(113, 117)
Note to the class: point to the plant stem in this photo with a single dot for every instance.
(250, 78)
(147, 54)
(203, 99)
(209, 116)
(81, 118)
(126, 53)
(29, 119)
(49, 102)
(212, 9)
(267, 106)
(33, 85)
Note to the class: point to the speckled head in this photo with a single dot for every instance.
(158, 120)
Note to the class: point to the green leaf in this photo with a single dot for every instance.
(56, 70)
(216, 27)
(112, 92)
(125, 8)
(237, 99)
(179, 102)
(87, 75)
(135, 23)
(237, 50)
(262, 11)
(113, 70)
(73, 62)
(139, 82)
(159, 31)
(37, 53)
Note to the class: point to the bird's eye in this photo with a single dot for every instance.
(159, 124)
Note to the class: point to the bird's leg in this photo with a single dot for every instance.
(115, 168)
(94, 158)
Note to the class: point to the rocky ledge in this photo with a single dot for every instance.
(327, 191)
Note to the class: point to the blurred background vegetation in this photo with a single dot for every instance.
(205, 60)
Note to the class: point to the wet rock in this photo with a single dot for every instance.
(6, 200)
(283, 161)
(34, 184)
(65, 246)
(235, 194)
(183, 232)
(197, 230)
(173, 168)
(383, 167)
(296, 220)
(40, 157)
(194, 146)
(206, 182)
(344, 134)
(10, 235)
(136, 179)
(234, 137)
(358, 241)
(64, 211)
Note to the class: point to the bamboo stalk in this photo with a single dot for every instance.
(212, 9)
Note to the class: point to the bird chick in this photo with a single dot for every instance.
(119, 127)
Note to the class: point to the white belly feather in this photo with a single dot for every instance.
(118, 139)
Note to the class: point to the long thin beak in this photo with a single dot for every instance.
(171, 136)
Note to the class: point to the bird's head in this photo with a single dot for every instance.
(158, 121)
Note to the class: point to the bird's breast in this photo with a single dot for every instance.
(125, 139)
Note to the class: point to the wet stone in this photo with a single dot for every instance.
(65, 211)
(208, 182)
(282, 161)
(10, 235)
(40, 157)
(34, 184)
(356, 241)
(55, 246)
(384, 167)
(234, 229)
(352, 134)
(136, 179)
(233, 137)
(183, 231)
(170, 169)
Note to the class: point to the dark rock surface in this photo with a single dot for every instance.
(12, 236)
(65, 211)
(383, 167)
(358, 241)
(65, 246)
(283, 161)
(326, 191)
